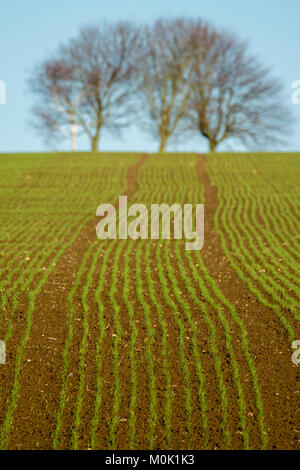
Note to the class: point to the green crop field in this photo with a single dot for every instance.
(142, 344)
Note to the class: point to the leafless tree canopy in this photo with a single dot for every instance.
(164, 77)
(172, 77)
(59, 98)
(234, 96)
(95, 83)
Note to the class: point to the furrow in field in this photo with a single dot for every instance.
(99, 359)
(197, 275)
(234, 328)
(255, 301)
(15, 327)
(149, 352)
(65, 354)
(37, 430)
(267, 295)
(115, 352)
(223, 302)
(23, 280)
(171, 306)
(86, 420)
(251, 228)
(132, 348)
(165, 354)
(181, 379)
(265, 270)
(12, 403)
(201, 395)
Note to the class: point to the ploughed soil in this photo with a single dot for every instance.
(122, 423)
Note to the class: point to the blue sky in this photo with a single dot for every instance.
(32, 29)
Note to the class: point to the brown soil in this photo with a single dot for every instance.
(268, 342)
(34, 419)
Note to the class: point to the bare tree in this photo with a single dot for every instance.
(186, 75)
(59, 99)
(164, 74)
(234, 96)
(88, 85)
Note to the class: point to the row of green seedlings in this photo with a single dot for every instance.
(198, 277)
(90, 258)
(180, 325)
(69, 231)
(230, 218)
(150, 336)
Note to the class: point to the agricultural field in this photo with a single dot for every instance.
(142, 344)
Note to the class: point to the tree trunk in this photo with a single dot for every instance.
(74, 136)
(95, 143)
(163, 143)
(212, 146)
